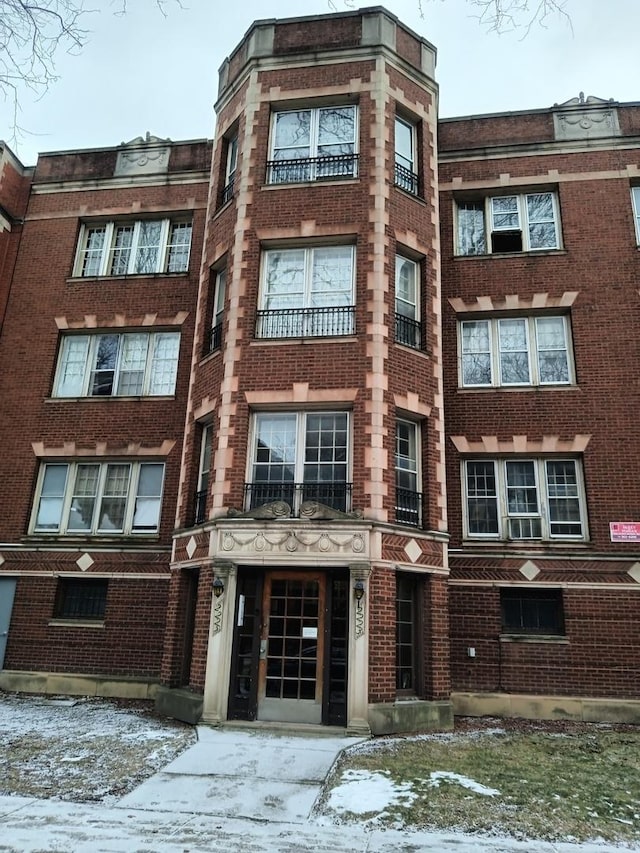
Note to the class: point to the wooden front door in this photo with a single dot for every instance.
(290, 684)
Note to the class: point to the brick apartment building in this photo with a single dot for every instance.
(332, 422)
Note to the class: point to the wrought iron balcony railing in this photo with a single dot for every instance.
(335, 495)
(298, 171)
(406, 179)
(306, 322)
(200, 507)
(227, 193)
(408, 331)
(408, 507)
(213, 340)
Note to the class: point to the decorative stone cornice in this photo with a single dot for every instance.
(143, 156)
(513, 302)
(590, 118)
(520, 444)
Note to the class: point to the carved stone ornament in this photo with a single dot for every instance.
(143, 156)
(302, 542)
(590, 118)
(309, 510)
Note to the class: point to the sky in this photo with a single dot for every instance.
(144, 72)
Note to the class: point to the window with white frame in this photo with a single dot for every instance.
(512, 351)
(313, 144)
(217, 315)
(307, 292)
(98, 497)
(406, 169)
(524, 499)
(408, 496)
(133, 247)
(508, 223)
(635, 197)
(107, 364)
(300, 456)
(204, 469)
(407, 303)
(230, 168)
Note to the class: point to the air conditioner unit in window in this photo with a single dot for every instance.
(525, 528)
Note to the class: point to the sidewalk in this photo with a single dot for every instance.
(243, 791)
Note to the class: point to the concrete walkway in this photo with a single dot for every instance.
(232, 792)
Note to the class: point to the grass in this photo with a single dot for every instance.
(555, 781)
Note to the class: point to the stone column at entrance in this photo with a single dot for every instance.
(358, 675)
(216, 687)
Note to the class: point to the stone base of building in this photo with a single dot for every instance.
(180, 704)
(413, 715)
(77, 684)
(584, 708)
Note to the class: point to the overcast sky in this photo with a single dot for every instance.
(143, 72)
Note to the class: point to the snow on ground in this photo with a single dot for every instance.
(446, 776)
(362, 792)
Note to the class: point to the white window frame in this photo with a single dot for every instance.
(401, 159)
(635, 202)
(206, 456)
(314, 173)
(307, 326)
(415, 304)
(232, 159)
(485, 208)
(300, 432)
(217, 312)
(534, 351)
(65, 499)
(513, 525)
(82, 368)
(105, 253)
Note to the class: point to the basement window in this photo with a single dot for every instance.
(84, 598)
(532, 611)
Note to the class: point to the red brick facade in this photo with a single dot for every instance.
(518, 239)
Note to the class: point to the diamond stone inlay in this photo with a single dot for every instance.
(634, 572)
(529, 570)
(191, 547)
(413, 550)
(85, 562)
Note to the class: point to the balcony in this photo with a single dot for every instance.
(305, 169)
(200, 507)
(213, 340)
(306, 322)
(334, 495)
(408, 332)
(226, 194)
(406, 179)
(408, 507)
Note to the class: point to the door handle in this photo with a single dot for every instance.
(263, 649)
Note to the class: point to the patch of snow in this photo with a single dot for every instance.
(362, 792)
(446, 776)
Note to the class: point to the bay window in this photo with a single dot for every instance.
(307, 292)
(91, 498)
(300, 456)
(524, 499)
(313, 145)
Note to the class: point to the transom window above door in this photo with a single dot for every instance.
(313, 145)
(307, 292)
(300, 456)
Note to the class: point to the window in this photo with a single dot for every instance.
(313, 144)
(84, 598)
(524, 499)
(118, 365)
(206, 442)
(300, 457)
(407, 633)
(405, 152)
(408, 497)
(215, 334)
(515, 351)
(230, 169)
(99, 497)
(408, 327)
(307, 292)
(532, 611)
(635, 196)
(508, 223)
(126, 248)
